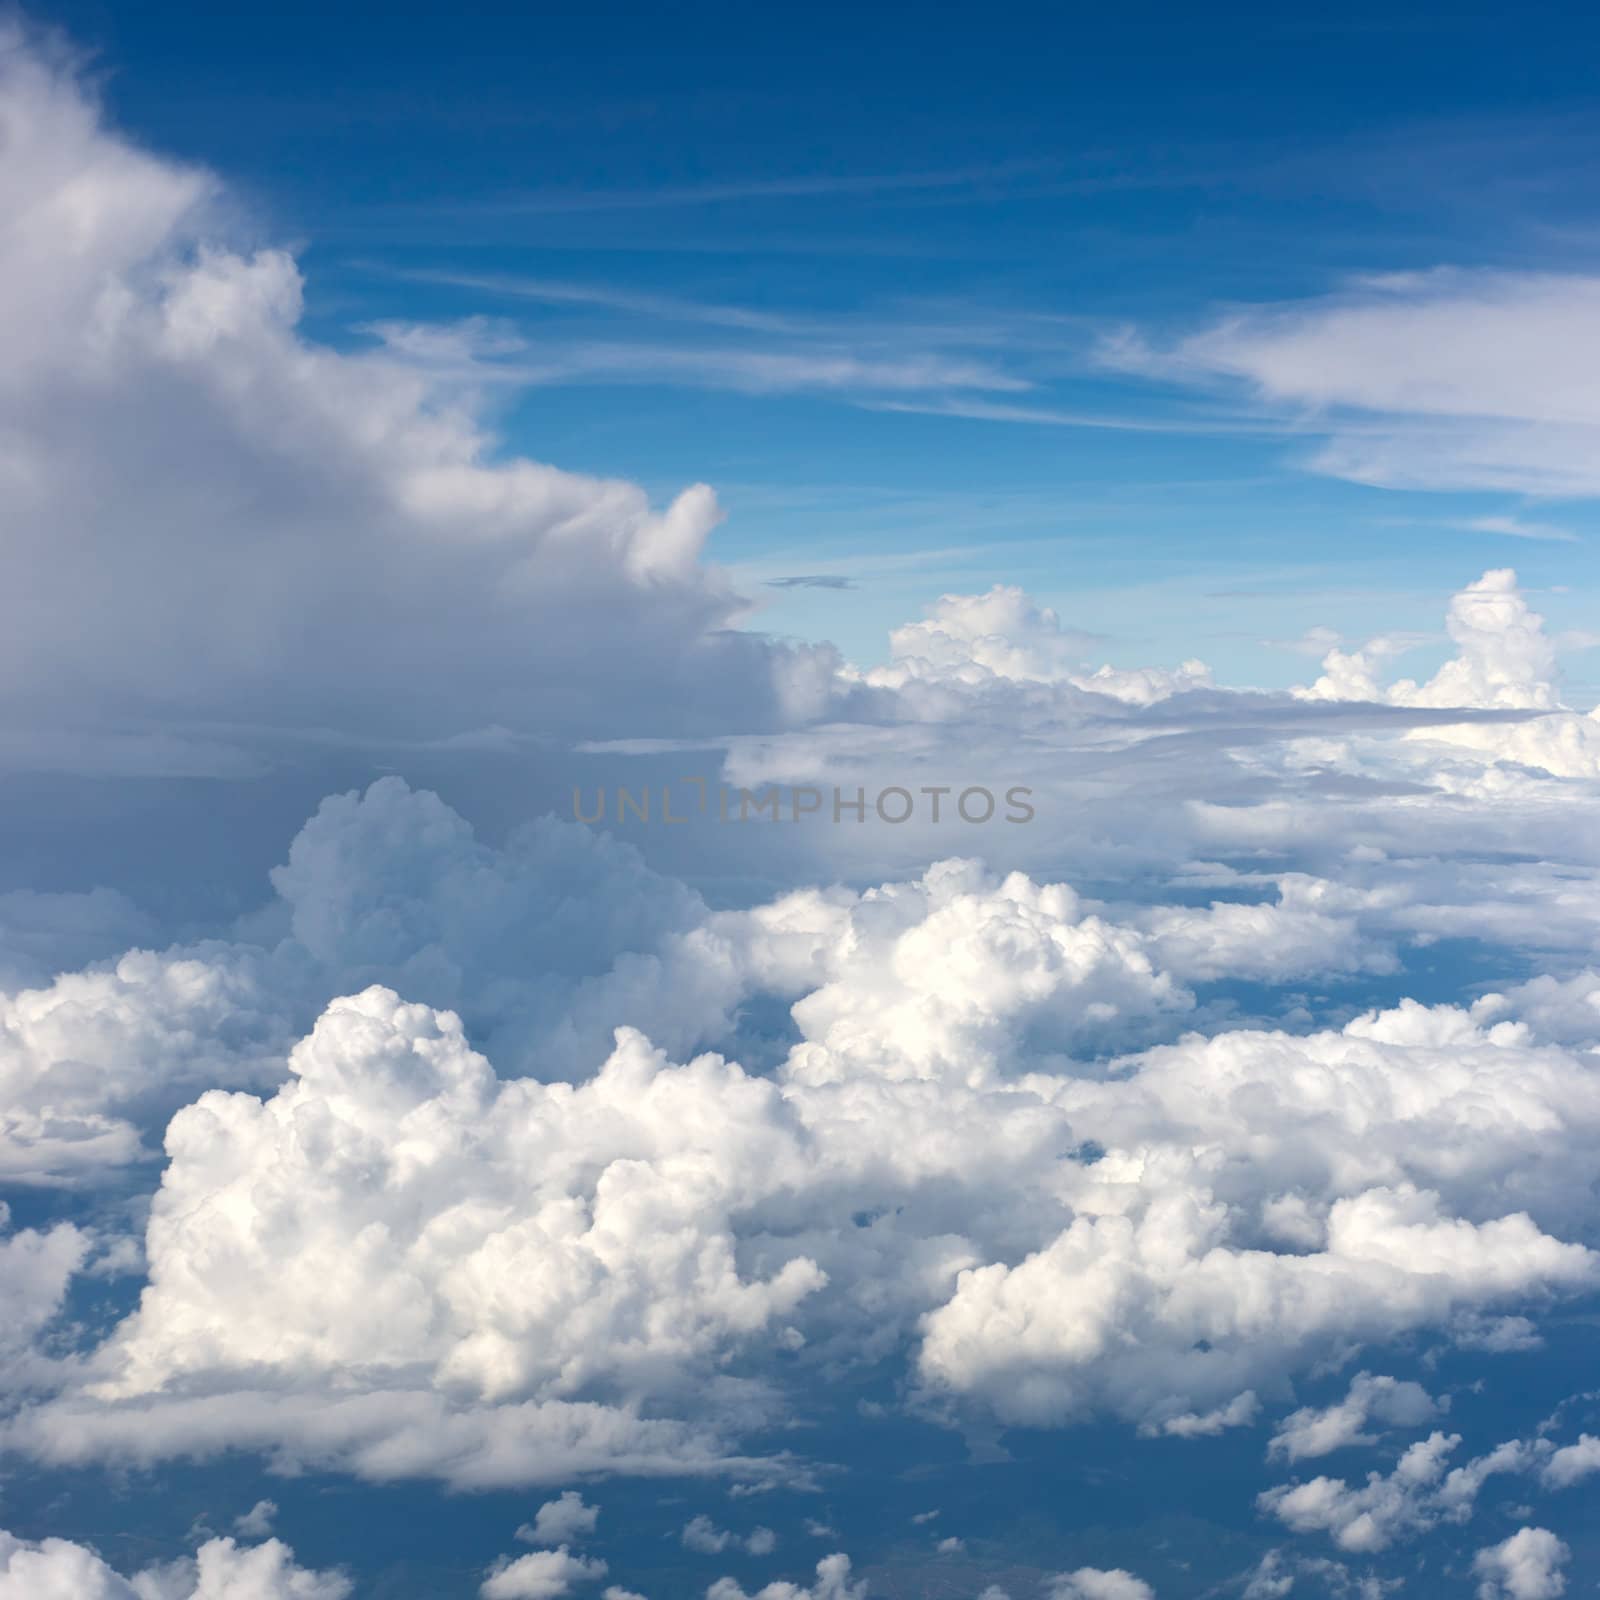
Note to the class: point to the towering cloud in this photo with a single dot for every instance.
(256, 535)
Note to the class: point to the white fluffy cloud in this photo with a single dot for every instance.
(255, 530)
(1421, 1492)
(256, 1523)
(382, 1249)
(501, 1264)
(1099, 1583)
(544, 946)
(701, 1534)
(1573, 1463)
(84, 1060)
(1003, 637)
(57, 1569)
(609, 1204)
(565, 1520)
(1504, 660)
(1527, 1566)
(1370, 1400)
(832, 1583)
(1039, 1339)
(1372, 1517)
(543, 1575)
(36, 1265)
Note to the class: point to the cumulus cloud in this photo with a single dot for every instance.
(1421, 1492)
(354, 555)
(568, 1192)
(1573, 1463)
(88, 1060)
(1370, 1400)
(1504, 660)
(975, 642)
(1527, 1566)
(509, 1270)
(541, 1575)
(1374, 1516)
(400, 1254)
(1148, 785)
(566, 1520)
(257, 1522)
(1098, 1583)
(832, 1583)
(1032, 1337)
(701, 1534)
(36, 1265)
(1239, 1412)
(450, 1183)
(544, 945)
(57, 1569)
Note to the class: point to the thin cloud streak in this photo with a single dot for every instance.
(556, 292)
(471, 355)
(986, 411)
(568, 202)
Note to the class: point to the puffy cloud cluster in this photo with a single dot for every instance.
(700, 1533)
(1043, 1339)
(87, 1060)
(379, 1250)
(57, 1569)
(1573, 1463)
(977, 642)
(1504, 662)
(401, 1262)
(223, 1569)
(1385, 1508)
(396, 1208)
(1419, 779)
(1504, 659)
(544, 946)
(451, 1187)
(1370, 1400)
(375, 1249)
(1423, 1491)
(952, 975)
(832, 1583)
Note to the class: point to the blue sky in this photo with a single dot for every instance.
(418, 421)
(775, 249)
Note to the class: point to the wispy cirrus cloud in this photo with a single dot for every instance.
(1449, 379)
(978, 410)
(1521, 528)
(801, 186)
(477, 351)
(606, 297)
